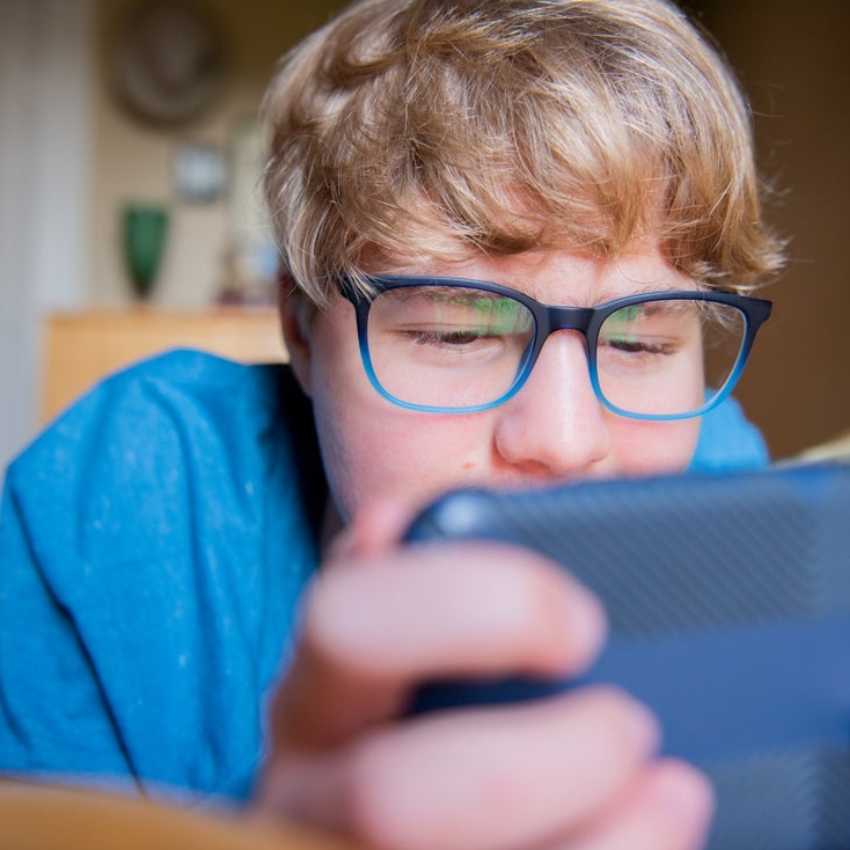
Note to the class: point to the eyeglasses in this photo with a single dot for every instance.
(450, 345)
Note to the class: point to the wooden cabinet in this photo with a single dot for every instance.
(82, 348)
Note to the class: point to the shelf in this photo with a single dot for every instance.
(81, 348)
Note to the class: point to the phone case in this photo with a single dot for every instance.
(728, 599)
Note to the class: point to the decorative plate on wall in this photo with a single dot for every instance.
(168, 64)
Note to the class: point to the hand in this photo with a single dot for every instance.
(575, 772)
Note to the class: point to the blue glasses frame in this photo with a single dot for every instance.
(547, 320)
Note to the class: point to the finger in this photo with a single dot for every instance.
(380, 526)
(371, 634)
(377, 527)
(509, 777)
(452, 609)
(669, 807)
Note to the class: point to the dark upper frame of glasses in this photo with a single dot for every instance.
(547, 320)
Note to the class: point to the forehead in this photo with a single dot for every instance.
(559, 276)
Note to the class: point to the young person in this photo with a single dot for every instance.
(439, 173)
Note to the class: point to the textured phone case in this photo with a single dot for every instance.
(728, 598)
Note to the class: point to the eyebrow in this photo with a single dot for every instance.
(607, 296)
(468, 285)
(450, 290)
(648, 309)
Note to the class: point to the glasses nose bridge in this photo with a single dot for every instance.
(567, 319)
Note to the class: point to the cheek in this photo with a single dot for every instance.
(373, 449)
(391, 456)
(653, 448)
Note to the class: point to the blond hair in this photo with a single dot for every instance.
(412, 129)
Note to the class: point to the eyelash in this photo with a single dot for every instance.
(664, 349)
(446, 338)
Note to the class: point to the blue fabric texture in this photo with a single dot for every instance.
(153, 546)
(154, 543)
(728, 442)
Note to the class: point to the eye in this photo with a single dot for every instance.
(637, 346)
(455, 337)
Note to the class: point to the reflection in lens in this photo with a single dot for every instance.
(448, 347)
(668, 357)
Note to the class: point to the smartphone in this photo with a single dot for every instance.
(728, 599)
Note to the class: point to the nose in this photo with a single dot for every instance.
(555, 426)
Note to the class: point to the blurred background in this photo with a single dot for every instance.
(130, 220)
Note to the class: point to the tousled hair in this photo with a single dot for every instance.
(407, 130)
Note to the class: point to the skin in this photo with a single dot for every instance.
(576, 771)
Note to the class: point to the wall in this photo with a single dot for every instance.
(45, 81)
(133, 161)
(792, 59)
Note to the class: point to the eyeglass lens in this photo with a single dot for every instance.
(453, 348)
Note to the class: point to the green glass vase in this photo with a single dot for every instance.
(144, 234)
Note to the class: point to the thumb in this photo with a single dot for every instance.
(376, 528)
